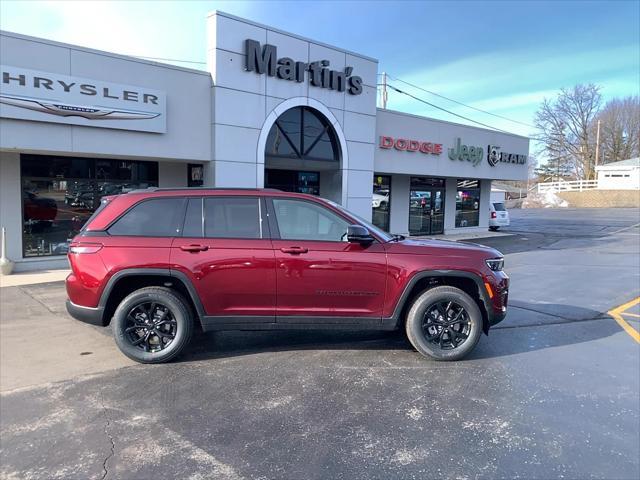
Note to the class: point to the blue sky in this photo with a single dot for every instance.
(504, 57)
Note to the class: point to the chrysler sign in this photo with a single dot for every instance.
(50, 97)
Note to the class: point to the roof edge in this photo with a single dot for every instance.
(413, 115)
(105, 53)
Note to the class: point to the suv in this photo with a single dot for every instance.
(159, 263)
(498, 216)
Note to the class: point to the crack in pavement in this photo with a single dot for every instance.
(106, 432)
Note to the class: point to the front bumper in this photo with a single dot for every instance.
(92, 315)
(498, 303)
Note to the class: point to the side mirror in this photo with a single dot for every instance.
(358, 234)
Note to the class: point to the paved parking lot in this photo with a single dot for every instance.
(552, 392)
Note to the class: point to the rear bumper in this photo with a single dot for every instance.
(499, 222)
(92, 315)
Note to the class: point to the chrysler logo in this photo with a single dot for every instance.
(68, 110)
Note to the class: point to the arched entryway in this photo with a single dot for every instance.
(303, 153)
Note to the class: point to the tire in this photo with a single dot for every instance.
(448, 345)
(166, 339)
(494, 229)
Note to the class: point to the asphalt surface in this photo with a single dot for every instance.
(552, 392)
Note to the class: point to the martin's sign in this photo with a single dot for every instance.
(264, 59)
(495, 156)
(50, 97)
(404, 144)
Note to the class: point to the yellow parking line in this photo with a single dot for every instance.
(630, 314)
(617, 313)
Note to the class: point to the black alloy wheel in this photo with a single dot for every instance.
(446, 324)
(153, 325)
(150, 326)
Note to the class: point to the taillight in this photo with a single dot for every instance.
(85, 248)
(494, 215)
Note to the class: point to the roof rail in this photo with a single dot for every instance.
(175, 189)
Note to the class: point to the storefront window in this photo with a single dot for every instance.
(468, 203)
(293, 181)
(381, 201)
(302, 133)
(59, 194)
(195, 175)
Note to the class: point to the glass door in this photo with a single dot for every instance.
(381, 201)
(426, 206)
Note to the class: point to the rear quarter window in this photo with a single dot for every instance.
(157, 217)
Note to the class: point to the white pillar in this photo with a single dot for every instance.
(451, 186)
(399, 221)
(485, 198)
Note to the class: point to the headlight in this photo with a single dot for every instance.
(495, 264)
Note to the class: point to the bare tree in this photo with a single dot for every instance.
(565, 130)
(619, 129)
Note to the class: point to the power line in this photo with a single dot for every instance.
(459, 103)
(445, 110)
(168, 59)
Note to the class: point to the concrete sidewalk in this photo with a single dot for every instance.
(32, 278)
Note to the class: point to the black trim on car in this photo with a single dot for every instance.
(491, 316)
(213, 323)
(85, 314)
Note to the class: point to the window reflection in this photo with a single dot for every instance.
(468, 203)
(56, 205)
(381, 201)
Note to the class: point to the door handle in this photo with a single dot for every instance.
(194, 248)
(294, 250)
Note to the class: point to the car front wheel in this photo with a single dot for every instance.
(444, 323)
(153, 325)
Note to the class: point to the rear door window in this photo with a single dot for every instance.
(193, 219)
(499, 207)
(232, 217)
(157, 217)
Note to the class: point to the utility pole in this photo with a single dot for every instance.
(384, 90)
(597, 144)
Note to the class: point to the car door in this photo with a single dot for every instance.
(226, 252)
(322, 278)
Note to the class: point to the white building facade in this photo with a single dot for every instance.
(272, 110)
(622, 175)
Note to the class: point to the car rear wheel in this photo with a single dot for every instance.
(153, 325)
(444, 323)
(494, 229)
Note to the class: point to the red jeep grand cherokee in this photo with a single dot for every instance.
(160, 262)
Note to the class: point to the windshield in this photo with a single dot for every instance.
(499, 207)
(385, 236)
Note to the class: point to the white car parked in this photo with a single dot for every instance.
(380, 201)
(498, 216)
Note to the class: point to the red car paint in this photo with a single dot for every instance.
(272, 278)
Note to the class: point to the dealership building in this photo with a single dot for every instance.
(272, 109)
